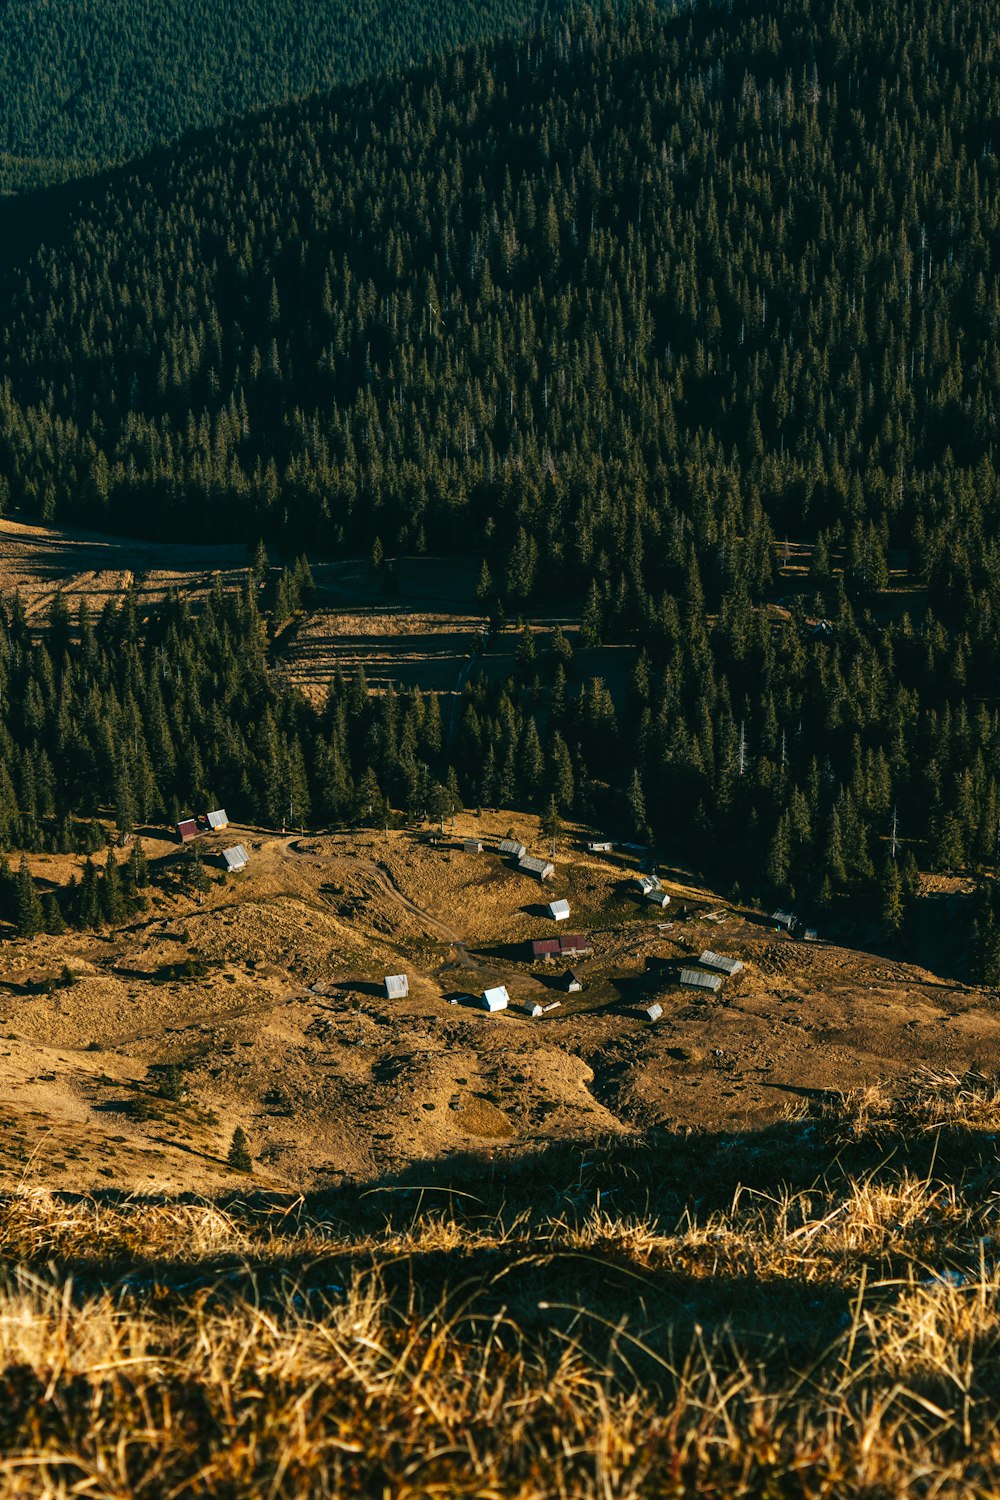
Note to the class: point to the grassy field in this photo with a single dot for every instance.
(809, 1310)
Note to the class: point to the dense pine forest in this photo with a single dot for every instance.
(108, 79)
(620, 309)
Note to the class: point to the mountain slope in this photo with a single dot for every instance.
(537, 280)
(106, 79)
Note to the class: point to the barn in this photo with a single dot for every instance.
(544, 947)
(187, 829)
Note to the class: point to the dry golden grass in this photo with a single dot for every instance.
(810, 1310)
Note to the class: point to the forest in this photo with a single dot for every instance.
(622, 308)
(115, 78)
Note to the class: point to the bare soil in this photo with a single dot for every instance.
(289, 1034)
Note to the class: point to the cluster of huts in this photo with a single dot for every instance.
(711, 974)
(528, 864)
(188, 829)
(651, 890)
(788, 922)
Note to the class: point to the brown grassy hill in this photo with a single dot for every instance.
(808, 1309)
(266, 993)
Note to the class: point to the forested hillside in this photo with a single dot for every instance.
(624, 287)
(94, 81)
(612, 309)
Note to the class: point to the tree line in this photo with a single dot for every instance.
(106, 80)
(783, 761)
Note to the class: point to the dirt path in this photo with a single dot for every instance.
(389, 888)
(386, 885)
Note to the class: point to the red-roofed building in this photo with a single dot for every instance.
(545, 947)
(187, 829)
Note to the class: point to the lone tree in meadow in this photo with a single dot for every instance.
(239, 1157)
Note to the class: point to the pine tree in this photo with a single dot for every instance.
(52, 914)
(30, 915)
(892, 900)
(637, 807)
(111, 899)
(89, 904)
(239, 1157)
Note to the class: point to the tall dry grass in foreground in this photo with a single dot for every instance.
(807, 1311)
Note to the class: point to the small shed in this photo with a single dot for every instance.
(600, 846)
(648, 883)
(559, 911)
(810, 935)
(472, 846)
(511, 846)
(571, 982)
(235, 858)
(217, 819)
(542, 869)
(532, 1008)
(719, 961)
(544, 947)
(699, 980)
(658, 898)
(495, 999)
(397, 986)
(574, 942)
(786, 919)
(654, 1011)
(187, 829)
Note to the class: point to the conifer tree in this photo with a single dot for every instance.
(30, 915)
(239, 1157)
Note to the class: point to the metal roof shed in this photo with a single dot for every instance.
(571, 982)
(559, 910)
(511, 846)
(472, 846)
(532, 1008)
(544, 947)
(658, 898)
(397, 986)
(649, 883)
(218, 819)
(236, 858)
(187, 829)
(600, 846)
(543, 869)
(784, 919)
(721, 962)
(699, 980)
(495, 999)
(654, 1011)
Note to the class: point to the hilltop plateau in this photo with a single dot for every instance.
(266, 994)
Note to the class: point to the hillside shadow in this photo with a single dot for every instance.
(586, 1278)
